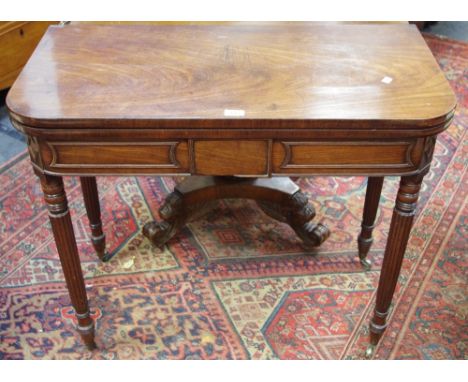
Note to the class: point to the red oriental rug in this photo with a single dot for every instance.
(236, 284)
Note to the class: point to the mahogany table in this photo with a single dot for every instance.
(242, 107)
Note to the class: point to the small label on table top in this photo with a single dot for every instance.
(387, 80)
(234, 113)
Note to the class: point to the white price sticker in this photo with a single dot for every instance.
(234, 113)
(387, 80)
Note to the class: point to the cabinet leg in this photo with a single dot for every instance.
(56, 199)
(400, 227)
(93, 210)
(371, 205)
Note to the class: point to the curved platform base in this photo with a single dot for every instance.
(280, 198)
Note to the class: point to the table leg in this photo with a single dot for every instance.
(371, 205)
(56, 199)
(91, 200)
(400, 227)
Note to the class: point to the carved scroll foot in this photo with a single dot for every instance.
(298, 213)
(173, 214)
(279, 198)
(312, 234)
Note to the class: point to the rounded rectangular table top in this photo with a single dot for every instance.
(300, 75)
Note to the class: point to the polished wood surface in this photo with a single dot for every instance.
(400, 227)
(17, 42)
(62, 228)
(232, 76)
(238, 157)
(269, 100)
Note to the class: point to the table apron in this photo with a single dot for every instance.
(241, 157)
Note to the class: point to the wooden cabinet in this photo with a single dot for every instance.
(17, 42)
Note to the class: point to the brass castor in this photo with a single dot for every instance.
(370, 351)
(366, 264)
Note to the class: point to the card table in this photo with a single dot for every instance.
(239, 109)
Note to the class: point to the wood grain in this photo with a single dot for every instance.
(306, 156)
(400, 227)
(313, 75)
(17, 42)
(62, 228)
(231, 157)
(237, 99)
(121, 154)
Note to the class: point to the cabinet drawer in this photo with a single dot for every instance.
(170, 157)
(231, 157)
(336, 157)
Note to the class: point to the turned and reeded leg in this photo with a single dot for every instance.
(400, 228)
(280, 198)
(371, 205)
(55, 197)
(91, 200)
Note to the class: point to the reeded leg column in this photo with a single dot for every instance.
(371, 205)
(55, 197)
(91, 200)
(400, 227)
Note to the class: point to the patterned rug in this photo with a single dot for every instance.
(236, 284)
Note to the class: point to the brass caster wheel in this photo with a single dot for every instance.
(370, 351)
(366, 264)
